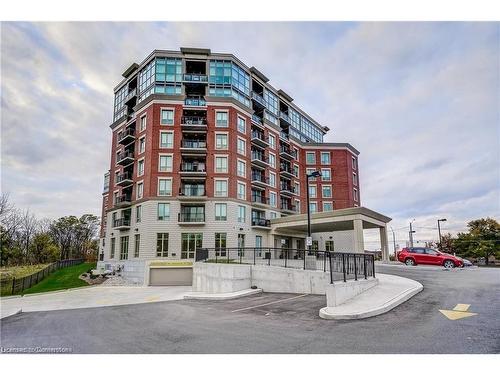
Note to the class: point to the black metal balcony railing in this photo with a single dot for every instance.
(195, 102)
(125, 198)
(187, 217)
(191, 167)
(287, 206)
(284, 168)
(259, 199)
(193, 120)
(123, 177)
(259, 135)
(287, 188)
(284, 116)
(131, 94)
(188, 143)
(195, 78)
(121, 222)
(124, 156)
(259, 156)
(192, 191)
(260, 177)
(284, 136)
(127, 134)
(258, 98)
(257, 119)
(261, 222)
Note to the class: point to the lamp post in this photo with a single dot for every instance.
(394, 242)
(439, 232)
(411, 233)
(309, 239)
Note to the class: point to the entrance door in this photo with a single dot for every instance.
(189, 243)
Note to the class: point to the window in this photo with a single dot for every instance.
(242, 168)
(312, 191)
(165, 186)
(124, 248)
(296, 153)
(138, 214)
(142, 145)
(221, 141)
(190, 242)
(142, 125)
(221, 188)
(165, 164)
(166, 140)
(163, 211)
(140, 167)
(309, 171)
(327, 206)
(354, 179)
(137, 245)
(242, 213)
(272, 179)
(242, 146)
(313, 207)
(329, 244)
(258, 244)
(272, 199)
(326, 175)
(310, 158)
(272, 141)
(326, 191)
(297, 206)
(112, 253)
(355, 191)
(221, 119)
(242, 126)
(272, 160)
(241, 244)
(242, 190)
(221, 164)
(354, 163)
(220, 244)
(162, 244)
(139, 190)
(273, 215)
(220, 212)
(167, 117)
(325, 158)
(296, 170)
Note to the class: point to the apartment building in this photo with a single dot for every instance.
(205, 153)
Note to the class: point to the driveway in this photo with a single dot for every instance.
(278, 323)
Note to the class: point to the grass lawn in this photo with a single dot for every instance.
(64, 278)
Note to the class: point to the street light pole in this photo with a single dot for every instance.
(394, 241)
(411, 233)
(439, 232)
(308, 176)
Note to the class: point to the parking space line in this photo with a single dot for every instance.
(269, 303)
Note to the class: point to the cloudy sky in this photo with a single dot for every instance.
(419, 100)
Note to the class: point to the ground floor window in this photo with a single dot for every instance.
(220, 244)
(137, 244)
(123, 247)
(258, 246)
(162, 244)
(329, 245)
(241, 244)
(112, 255)
(190, 242)
(315, 245)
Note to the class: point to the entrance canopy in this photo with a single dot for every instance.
(355, 219)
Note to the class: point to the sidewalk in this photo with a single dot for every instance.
(87, 297)
(390, 292)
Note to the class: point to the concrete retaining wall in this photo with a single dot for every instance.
(221, 278)
(289, 280)
(340, 292)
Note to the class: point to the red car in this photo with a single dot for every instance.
(412, 256)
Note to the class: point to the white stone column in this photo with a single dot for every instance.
(359, 242)
(384, 244)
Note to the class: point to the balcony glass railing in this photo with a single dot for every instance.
(192, 191)
(121, 222)
(188, 143)
(123, 199)
(287, 206)
(123, 177)
(195, 78)
(256, 198)
(286, 150)
(195, 102)
(131, 94)
(284, 136)
(256, 119)
(258, 98)
(261, 222)
(193, 120)
(188, 217)
(284, 116)
(193, 167)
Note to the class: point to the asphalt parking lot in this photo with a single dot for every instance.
(278, 323)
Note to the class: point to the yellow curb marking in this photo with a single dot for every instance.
(458, 312)
(152, 298)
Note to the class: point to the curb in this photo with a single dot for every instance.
(18, 311)
(222, 296)
(387, 306)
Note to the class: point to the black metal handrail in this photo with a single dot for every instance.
(125, 155)
(259, 135)
(123, 198)
(121, 222)
(192, 191)
(341, 266)
(257, 119)
(124, 176)
(261, 222)
(197, 102)
(186, 217)
(255, 198)
(258, 98)
(188, 143)
(258, 156)
(193, 120)
(191, 167)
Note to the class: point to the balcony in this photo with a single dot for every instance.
(126, 137)
(284, 117)
(261, 222)
(286, 189)
(193, 145)
(259, 159)
(259, 199)
(124, 179)
(259, 179)
(125, 158)
(191, 218)
(194, 123)
(284, 137)
(287, 153)
(286, 171)
(256, 120)
(195, 102)
(195, 78)
(193, 169)
(258, 100)
(122, 224)
(288, 207)
(192, 192)
(259, 139)
(123, 200)
(131, 95)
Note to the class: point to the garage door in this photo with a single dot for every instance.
(171, 276)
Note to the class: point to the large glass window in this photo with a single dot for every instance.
(168, 76)
(165, 187)
(220, 244)
(137, 245)
(221, 141)
(112, 251)
(326, 191)
(242, 168)
(124, 248)
(162, 244)
(190, 242)
(228, 79)
(146, 80)
(325, 158)
(221, 119)
(272, 102)
(166, 140)
(221, 164)
(310, 158)
(165, 163)
(167, 117)
(220, 212)
(242, 191)
(163, 211)
(242, 127)
(326, 175)
(221, 188)
(242, 212)
(120, 108)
